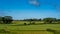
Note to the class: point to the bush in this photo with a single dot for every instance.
(33, 22)
(28, 24)
(25, 24)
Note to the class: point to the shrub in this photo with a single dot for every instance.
(33, 22)
(25, 24)
(28, 24)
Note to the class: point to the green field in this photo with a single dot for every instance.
(20, 28)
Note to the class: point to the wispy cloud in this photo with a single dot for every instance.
(34, 2)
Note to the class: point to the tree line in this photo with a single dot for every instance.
(9, 19)
(45, 20)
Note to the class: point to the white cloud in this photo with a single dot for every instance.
(34, 2)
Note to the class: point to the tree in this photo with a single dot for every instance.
(58, 20)
(7, 19)
(39, 19)
(49, 20)
(0, 19)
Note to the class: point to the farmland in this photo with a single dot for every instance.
(18, 27)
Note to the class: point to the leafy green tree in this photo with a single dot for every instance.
(0, 19)
(7, 19)
(49, 20)
(58, 20)
(39, 20)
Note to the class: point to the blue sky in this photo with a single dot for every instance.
(21, 9)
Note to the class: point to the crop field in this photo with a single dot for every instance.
(20, 28)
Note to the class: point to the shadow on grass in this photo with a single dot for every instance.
(19, 25)
(26, 24)
(54, 31)
(57, 32)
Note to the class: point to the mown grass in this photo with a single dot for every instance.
(19, 28)
(26, 32)
(30, 27)
(57, 32)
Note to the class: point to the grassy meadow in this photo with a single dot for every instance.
(18, 27)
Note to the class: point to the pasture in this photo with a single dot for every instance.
(19, 28)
